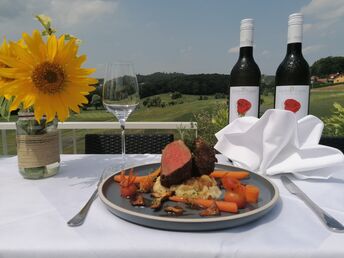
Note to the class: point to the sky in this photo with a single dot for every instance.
(188, 36)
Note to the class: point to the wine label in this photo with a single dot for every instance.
(293, 98)
(243, 101)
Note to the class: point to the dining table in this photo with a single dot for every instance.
(34, 215)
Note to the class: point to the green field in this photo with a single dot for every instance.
(321, 106)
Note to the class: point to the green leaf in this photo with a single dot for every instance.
(5, 107)
(70, 36)
(46, 23)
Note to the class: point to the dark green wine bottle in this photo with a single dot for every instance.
(293, 76)
(245, 77)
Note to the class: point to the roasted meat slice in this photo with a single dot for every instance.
(176, 164)
(203, 161)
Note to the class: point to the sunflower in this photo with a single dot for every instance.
(4, 50)
(46, 76)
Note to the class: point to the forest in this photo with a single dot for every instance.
(209, 84)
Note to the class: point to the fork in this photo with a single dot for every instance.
(80, 217)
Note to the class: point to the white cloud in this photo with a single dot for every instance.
(324, 9)
(312, 48)
(64, 11)
(234, 50)
(325, 14)
(80, 11)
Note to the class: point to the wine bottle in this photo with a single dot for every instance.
(293, 76)
(245, 77)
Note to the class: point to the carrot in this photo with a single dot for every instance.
(139, 179)
(235, 174)
(222, 205)
(252, 193)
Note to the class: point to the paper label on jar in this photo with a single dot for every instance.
(243, 101)
(294, 98)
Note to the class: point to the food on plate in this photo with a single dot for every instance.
(222, 205)
(175, 210)
(203, 160)
(159, 199)
(234, 174)
(137, 200)
(127, 184)
(189, 178)
(212, 210)
(238, 197)
(176, 164)
(251, 193)
(196, 187)
(146, 185)
(230, 183)
(138, 179)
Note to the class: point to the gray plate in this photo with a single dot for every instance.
(109, 193)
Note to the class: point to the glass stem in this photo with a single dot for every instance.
(122, 122)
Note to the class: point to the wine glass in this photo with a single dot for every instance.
(121, 94)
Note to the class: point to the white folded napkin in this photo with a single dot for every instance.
(278, 143)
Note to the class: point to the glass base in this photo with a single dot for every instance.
(40, 172)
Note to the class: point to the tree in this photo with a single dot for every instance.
(328, 65)
(176, 95)
(96, 101)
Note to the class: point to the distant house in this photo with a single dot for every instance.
(316, 79)
(339, 79)
(331, 77)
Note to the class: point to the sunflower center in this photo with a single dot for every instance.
(48, 78)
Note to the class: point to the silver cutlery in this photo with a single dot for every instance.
(331, 223)
(79, 218)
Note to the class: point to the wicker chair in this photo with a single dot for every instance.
(333, 141)
(135, 143)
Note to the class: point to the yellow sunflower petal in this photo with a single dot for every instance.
(52, 47)
(16, 102)
(8, 72)
(38, 112)
(22, 57)
(29, 101)
(46, 103)
(32, 46)
(67, 52)
(61, 42)
(62, 111)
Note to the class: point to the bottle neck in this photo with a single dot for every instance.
(246, 52)
(294, 48)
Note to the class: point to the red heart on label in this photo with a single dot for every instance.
(292, 105)
(243, 105)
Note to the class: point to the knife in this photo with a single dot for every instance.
(331, 223)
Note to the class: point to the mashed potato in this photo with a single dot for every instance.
(197, 187)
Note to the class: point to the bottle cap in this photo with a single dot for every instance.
(295, 19)
(246, 32)
(247, 24)
(295, 23)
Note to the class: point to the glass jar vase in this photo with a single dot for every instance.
(37, 146)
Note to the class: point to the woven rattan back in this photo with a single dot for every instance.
(135, 143)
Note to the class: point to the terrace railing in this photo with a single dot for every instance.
(74, 126)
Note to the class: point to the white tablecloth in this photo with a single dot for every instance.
(33, 215)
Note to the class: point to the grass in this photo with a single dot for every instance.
(321, 105)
